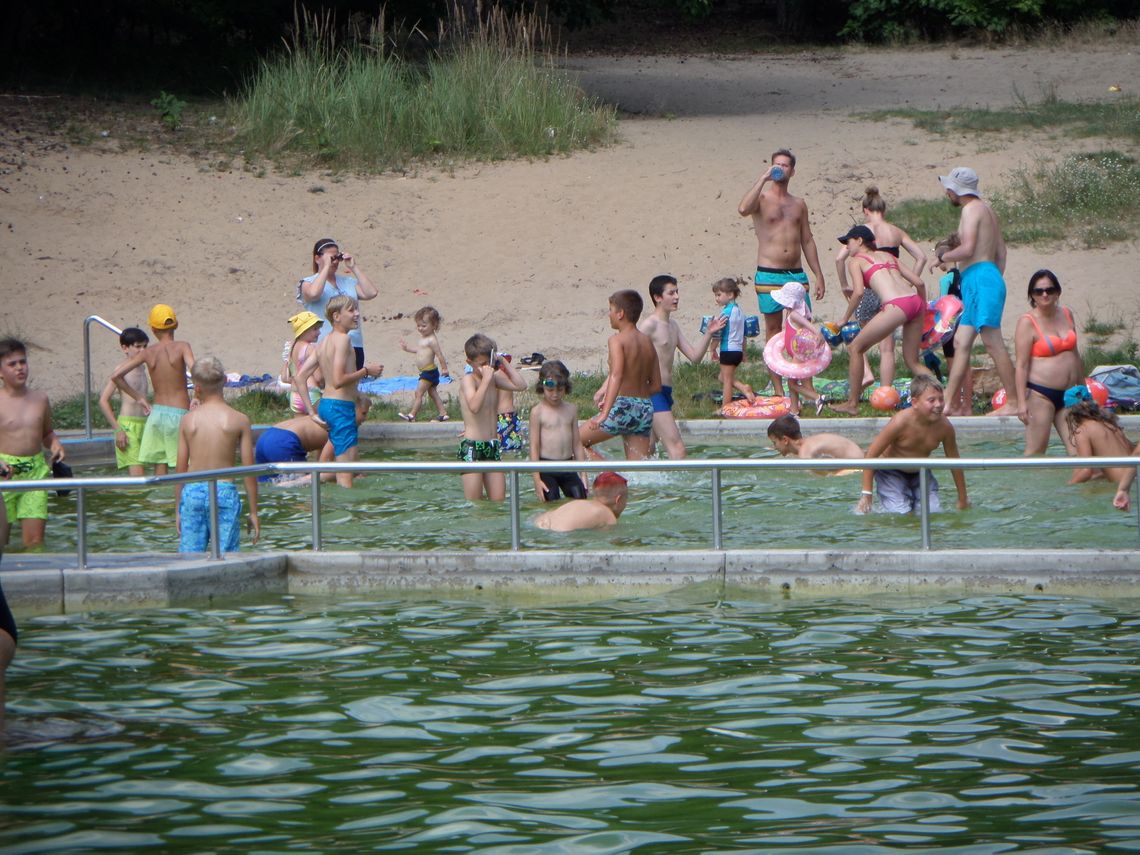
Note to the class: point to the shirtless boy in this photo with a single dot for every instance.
(291, 441)
(429, 362)
(554, 434)
(167, 362)
(788, 440)
(337, 361)
(131, 421)
(667, 339)
(626, 408)
(601, 511)
(478, 396)
(783, 234)
(25, 431)
(208, 438)
(981, 257)
(914, 432)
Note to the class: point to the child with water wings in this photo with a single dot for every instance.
(336, 359)
(554, 434)
(25, 431)
(306, 330)
(167, 362)
(429, 362)
(788, 440)
(725, 291)
(951, 284)
(209, 437)
(128, 427)
(798, 336)
(913, 432)
(601, 511)
(477, 399)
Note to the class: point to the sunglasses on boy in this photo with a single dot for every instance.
(1041, 292)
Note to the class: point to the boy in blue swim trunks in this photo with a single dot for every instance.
(981, 256)
(25, 431)
(783, 234)
(291, 441)
(625, 408)
(337, 360)
(208, 438)
(478, 397)
(167, 362)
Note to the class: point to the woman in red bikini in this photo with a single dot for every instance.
(1047, 363)
(903, 298)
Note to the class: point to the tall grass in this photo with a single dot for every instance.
(489, 91)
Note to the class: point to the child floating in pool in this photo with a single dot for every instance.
(478, 395)
(429, 362)
(913, 432)
(208, 438)
(128, 427)
(1096, 432)
(784, 432)
(602, 511)
(554, 434)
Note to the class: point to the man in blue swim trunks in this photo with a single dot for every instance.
(981, 258)
(783, 234)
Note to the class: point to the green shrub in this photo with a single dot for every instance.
(170, 109)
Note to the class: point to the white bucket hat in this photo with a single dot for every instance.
(961, 180)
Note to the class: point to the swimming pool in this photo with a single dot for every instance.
(982, 725)
(775, 508)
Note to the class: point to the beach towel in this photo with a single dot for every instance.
(388, 385)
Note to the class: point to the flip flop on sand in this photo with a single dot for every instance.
(535, 358)
(443, 417)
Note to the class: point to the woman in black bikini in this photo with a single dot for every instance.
(1047, 363)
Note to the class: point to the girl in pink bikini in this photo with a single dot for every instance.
(903, 297)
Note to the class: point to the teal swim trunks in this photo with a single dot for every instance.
(629, 417)
(769, 279)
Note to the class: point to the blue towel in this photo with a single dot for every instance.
(247, 380)
(388, 385)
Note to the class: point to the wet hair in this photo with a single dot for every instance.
(628, 302)
(429, 314)
(1041, 274)
(786, 153)
(727, 286)
(785, 427)
(657, 286)
(478, 345)
(319, 247)
(609, 484)
(12, 345)
(208, 373)
(338, 304)
(553, 369)
(1091, 411)
(872, 201)
(923, 382)
(133, 335)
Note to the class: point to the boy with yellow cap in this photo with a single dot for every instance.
(167, 362)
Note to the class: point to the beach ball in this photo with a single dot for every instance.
(850, 331)
(806, 345)
(831, 334)
(1098, 391)
(998, 400)
(885, 398)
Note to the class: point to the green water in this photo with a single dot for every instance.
(981, 725)
(1010, 508)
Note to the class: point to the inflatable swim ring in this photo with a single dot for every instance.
(940, 321)
(762, 408)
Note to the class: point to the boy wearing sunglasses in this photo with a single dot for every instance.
(554, 434)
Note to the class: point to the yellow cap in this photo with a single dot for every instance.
(303, 321)
(162, 317)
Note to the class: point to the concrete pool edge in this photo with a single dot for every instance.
(51, 584)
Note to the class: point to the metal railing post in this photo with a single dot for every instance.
(81, 527)
(515, 538)
(718, 542)
(1136, 501)
(924, 506)
(215, 535)
(87, 366)
(315, 492)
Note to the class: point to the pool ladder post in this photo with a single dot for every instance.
(315, 492)
(716, 510)
(924, 506)
(515, 526)
(215, 540)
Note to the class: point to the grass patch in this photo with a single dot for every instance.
(489, 93)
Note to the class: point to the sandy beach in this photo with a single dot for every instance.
(525, 251)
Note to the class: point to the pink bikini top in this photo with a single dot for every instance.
(875, 267)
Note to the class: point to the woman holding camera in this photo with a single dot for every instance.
(314, 292)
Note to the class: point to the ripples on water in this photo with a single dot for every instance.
(983, 725)
(1026, 509)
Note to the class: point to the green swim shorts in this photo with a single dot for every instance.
(160, 436)
(133, 427)
(29, 504)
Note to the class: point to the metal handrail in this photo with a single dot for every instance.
(513, 468)
(87, 322)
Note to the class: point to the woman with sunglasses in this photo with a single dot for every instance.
(314, 292)
(1047, 363)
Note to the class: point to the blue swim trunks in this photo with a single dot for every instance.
(629, 417)
(983, 295)
(663, 400)
(195, 513)
(431, 376)
(278, 446)
(769, 279)
(340, 416)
